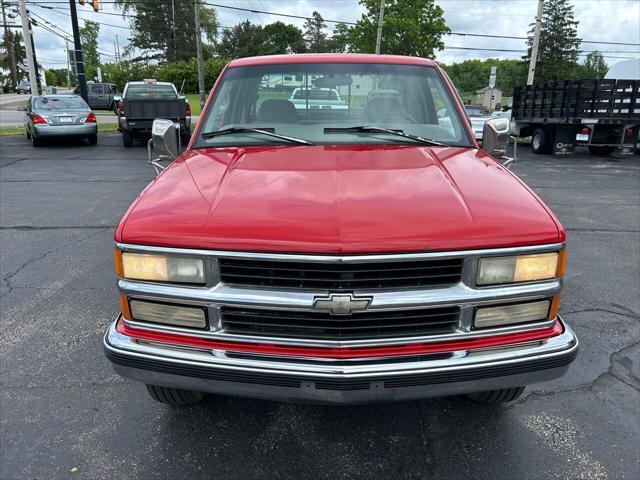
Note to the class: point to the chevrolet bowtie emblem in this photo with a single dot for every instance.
(341, 304)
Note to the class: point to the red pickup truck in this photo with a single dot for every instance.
(370, 253)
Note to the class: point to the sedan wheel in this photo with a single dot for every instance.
(36, 142)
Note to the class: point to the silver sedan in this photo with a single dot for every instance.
(49, 116)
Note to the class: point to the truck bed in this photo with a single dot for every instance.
(150, 109)
(571, 101)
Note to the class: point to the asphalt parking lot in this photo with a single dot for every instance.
(65, 414)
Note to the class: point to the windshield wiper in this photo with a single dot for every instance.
(232, 130)
(370, 129)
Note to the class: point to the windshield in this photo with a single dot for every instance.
(59, 103)
(150, 90)
(321, 102)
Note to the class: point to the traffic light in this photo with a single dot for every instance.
(96, 5)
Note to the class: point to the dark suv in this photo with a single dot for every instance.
(100, 96)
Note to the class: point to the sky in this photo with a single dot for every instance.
(600, 20)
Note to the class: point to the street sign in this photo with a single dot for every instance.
(492, 77)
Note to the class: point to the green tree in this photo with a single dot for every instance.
(15, 38)
(411, 27)
(89, 33)
(243, 40)
(339, 41)
(315, 35)
(281, 38)
(167, 27)
(50, 78)
(595, 65)
(472, 75)
(559, 43)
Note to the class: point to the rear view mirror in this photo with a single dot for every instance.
(495, 138)
(163, 142)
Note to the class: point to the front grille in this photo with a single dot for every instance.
(323, 325)
(340, 276)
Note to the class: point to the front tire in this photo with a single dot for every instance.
(601, 151)
(497, 396)
(542, 141)
(127, 139)
(175, 397)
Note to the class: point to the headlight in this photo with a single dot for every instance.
(521, 268)
(512, 314)
(181, 316)
(159, 268)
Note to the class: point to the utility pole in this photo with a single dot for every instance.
(380, 22)
(82, 81)
(118, 49)
(534, 46)
(35, 60)
(26, 35)
(173, 31)
(199, 54)
(8, 41)
(66, 52)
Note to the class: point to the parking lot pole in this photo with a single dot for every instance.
(82, 81)
(199, 54)
(28, 47)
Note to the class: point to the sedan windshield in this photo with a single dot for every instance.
(332, 104)
(59, 103)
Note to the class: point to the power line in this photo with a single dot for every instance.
(302, 17)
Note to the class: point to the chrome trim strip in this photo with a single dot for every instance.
(356, 258)
(554, 346)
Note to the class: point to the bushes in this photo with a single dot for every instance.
(175, 72)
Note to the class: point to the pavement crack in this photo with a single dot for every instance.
(7, 279)
(588, 387)
(631, 314)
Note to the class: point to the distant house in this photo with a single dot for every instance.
(483, 97)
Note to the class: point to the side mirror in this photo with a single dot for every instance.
(495, 138)
(164, 142)
(117, 98)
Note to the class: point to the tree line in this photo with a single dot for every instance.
(162, 43)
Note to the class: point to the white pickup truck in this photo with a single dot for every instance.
(317, 98)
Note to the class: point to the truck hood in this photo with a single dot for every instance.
(338, 199)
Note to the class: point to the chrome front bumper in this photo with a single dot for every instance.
(338, 381)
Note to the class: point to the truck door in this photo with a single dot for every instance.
(97, 96)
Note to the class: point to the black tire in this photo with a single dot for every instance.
(174, 396)
(93, 139)
(28, 134)
(542, 141)
(127, 139)
(36, 142)
(497, 396)
(601, 151)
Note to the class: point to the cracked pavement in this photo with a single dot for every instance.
(65, 414)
